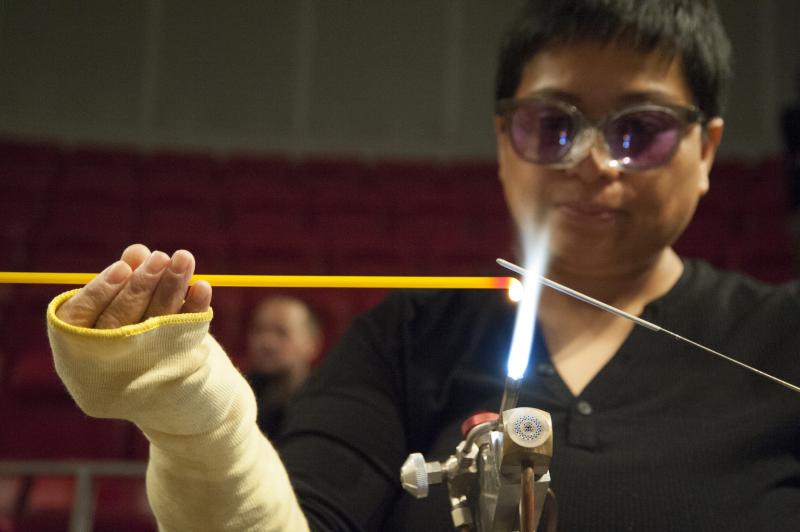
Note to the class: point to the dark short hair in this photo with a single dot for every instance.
(689, 29)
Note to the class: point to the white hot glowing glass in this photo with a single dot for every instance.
(515, 290)
(524, 326)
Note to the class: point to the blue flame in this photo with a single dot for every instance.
(535, 245)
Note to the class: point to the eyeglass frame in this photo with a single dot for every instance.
(685, 115)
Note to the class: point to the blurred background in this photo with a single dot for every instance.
(286, 136)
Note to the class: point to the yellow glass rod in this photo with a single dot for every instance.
(286, 281)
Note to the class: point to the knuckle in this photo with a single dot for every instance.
(142, 285)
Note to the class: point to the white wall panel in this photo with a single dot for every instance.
(361, 77)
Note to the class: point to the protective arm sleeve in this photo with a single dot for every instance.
(210, 467)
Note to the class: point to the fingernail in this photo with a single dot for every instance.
(117, 272)
(180, 263)
(156, 262)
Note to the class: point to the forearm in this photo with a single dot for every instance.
(210, 468)
(251, 492)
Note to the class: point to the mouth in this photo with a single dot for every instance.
(587, 212)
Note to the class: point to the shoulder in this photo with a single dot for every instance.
(713, 304)
(731, 290)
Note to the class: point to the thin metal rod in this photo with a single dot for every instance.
(644, 323)
(577, 295)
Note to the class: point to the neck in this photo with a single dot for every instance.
(629, 287)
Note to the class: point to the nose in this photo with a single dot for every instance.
(596, 163)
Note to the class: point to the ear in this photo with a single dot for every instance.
(712, 136)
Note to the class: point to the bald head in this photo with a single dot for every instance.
(283, 338)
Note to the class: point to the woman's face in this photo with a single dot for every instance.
(603, 219)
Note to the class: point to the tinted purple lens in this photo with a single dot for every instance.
(643, 139)
(541, 133)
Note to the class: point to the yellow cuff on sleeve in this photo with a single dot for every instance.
(127, 330)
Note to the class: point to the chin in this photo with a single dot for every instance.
(588, 255)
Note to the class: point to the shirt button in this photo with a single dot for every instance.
(545, 368)
(584, 408)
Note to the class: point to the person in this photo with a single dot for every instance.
(608, 121)
(284, 337)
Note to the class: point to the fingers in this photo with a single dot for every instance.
(140, 285)
(135, 255)
(199, 298)
(132, 301)
(171, 289)
(84, 308)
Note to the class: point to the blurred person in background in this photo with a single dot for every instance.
(284, 337)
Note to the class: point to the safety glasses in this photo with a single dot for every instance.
(557, 134)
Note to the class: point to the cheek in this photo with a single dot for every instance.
(670, 199)
(525, 187)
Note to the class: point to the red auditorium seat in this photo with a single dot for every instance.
(406, 173)
(187, 177)
(772, 169)
(262, 183)
(14, 243)
(369, 259)
(182, 207)
(364, 300)
(475, 188)
(766, 247)
(34, 405)
(417, 187)
(100, 174)
(84, 236)
(122, 506)
(727, 194)
(361, 244)
(19, 212)
(182, 181)
(27, 166)
(26, 173)
(709, 237)
(430, 237)
(185, 226)
(343, 187)
(229, 323)
(12, 492)
(268, 242)
(768, 192)
(137, 445)
(47, 505)
(42, 430)
(259, 166)
(33, 377)
(23, 332)
(771, 266)
(321, 171)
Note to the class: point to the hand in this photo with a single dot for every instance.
(139, 286)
